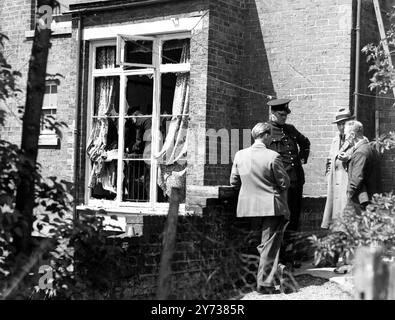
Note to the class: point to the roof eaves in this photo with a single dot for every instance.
(113, 5)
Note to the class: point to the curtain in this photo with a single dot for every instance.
(172, 156)
(102, 172)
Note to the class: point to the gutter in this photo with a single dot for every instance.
(357, 58)
(77, 113)
(95, 7)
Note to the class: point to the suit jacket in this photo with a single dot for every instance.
(363, 173)
(263, 182)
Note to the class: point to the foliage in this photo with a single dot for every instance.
(52, 203)
(8, 77)
(67, 246)
(383, 72)
(386, 141)
(373, 227)
(86, 263)
(383, 78)
(98, 260)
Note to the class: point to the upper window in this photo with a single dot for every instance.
(139, 102)
(48, 135)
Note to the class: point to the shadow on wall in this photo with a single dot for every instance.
(255, 71)
(239, 79)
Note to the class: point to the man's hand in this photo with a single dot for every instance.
(343, 156)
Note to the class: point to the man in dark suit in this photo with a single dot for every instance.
(294, 150)
(363, 168)
(263, 182)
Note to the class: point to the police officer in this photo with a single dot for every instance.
(294, 149)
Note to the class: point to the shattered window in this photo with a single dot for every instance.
(139, 119)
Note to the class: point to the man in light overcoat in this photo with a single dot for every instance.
(336, 172)
(263, 182)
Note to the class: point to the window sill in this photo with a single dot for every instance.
(123, 223)
(198, 200)
(200, 196)
(48, 140)
(105, 208)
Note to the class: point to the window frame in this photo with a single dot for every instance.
(157, 69)
(48, 137)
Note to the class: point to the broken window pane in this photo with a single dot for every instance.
(106, 96)
(102, 146)
(172, 51)
(104, 183)
(139, 94)
(136, 183)
(139, 51)
(174, 126)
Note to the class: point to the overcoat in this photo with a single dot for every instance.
(337, 180)
(263, 182)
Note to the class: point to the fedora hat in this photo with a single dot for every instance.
(343, 115)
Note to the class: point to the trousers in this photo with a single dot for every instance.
(269, 250)
(294, 195)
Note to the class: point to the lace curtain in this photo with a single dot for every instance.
(105, 94)
(172, 157)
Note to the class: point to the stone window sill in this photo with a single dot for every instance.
(48, 140)
(107, 210)
(198, 196)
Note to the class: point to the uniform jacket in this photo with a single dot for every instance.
(363, 173)
(263, 181)
(292, 147)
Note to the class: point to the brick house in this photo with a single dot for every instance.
(222, 59)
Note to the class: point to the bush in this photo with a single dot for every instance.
(373, 227)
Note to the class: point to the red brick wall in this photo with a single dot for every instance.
(298, 49)
(304, 49)
(224, 65)
(15, 20)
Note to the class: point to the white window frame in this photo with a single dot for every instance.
(157, 69)
(48, 137)
(120, 52)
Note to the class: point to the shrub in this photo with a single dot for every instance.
(373, 227)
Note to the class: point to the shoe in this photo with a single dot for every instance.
(343, 269)
(267, 290)
(287, 283)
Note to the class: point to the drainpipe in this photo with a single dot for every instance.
(77, 113)
(357, 57)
